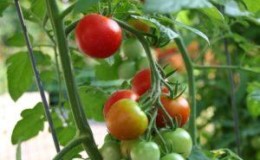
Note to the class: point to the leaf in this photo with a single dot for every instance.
(3, 5)
(30, 125)
(194, 30)
(84, 5)
(17, 40)
(19, 74)
(105, 71)
(171, 6)
(66, 134)
(197, 154)
(213, 13)
(232, 9)
(253, 102)
(37, 8)
(19, 151)
(253, 5)
(93, 100)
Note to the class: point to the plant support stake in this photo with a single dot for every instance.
(37, 76)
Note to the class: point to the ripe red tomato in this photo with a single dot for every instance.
(178, 109)
(116, 96)
(98, 36)
(142, 81)
(126, 120)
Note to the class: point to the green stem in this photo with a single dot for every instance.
(71, 27)
(75, 104)
(74, 143)
(67, 11)
(227, 67)
(191, 83)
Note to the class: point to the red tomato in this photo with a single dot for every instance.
(178, 109)
(126, 120)
(142, 81)
(98, 36)
(118, 95)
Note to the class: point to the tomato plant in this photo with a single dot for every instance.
(145, 151)
(118, 95)
(133, 49)
(127, 69)
(141, 82)
(127, 145)
(126, 120)
(178, 109)
(111, 151)
(98, 36)
(172, 156)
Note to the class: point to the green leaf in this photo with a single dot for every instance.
(19, 74)
(194, 30)
(38, 9)
(171, 6)
(214, 14)
(84, 5)
(17, 40)
(197, 154)
(253, 99)
(66, 134)
(232, 9)
(19, 151)
(93, 100)
(105, 71)
(30, 125)
(253, 5)
(3, 5)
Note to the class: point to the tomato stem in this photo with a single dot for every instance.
(75, 103)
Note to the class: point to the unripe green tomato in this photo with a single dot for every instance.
(127, 145)
(145, 151)
(126, 70)
(172, 156)
(179, 141)
(133, 49)
(109, 137)
(111, 151)
(142, 63)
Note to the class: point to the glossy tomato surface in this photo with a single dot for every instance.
(172, 156)
(145, 151)
(142, 81)
(111, 151)
(118, 95)
(178, 109)
(98, 36)
(126, 120)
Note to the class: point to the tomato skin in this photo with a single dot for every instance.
(98, 36)
(142, 81)
(172, 156)
(133, 49)
(111, 151)
(118, 95)
(179, 141)
(126, 120)
(178, 109)
(127, 145)
(145, 151)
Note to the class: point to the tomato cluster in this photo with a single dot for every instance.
(128, 124)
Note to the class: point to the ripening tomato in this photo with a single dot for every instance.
(178, 109)
(98, 36)
(178, 141)
(125, 120)
(141, 81)
(145, 151)
(118, 95)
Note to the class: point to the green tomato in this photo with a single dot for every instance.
(133, 49)
(109, 137)
(111, 151)
(142, 63)
(172, 156)
(178, 141)
(127, 145)
(145, 151)
(126, 70)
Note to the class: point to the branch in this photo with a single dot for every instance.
(67, 11)
(227, 67)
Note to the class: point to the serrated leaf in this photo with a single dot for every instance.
(17, 40)
(194, 30)
(30, 125)
(93, 100)
(19, 74)
(171, 6)
(84, 5)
